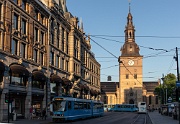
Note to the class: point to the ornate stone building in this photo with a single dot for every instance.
(43, 52)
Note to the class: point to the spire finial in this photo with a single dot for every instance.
(129, 5)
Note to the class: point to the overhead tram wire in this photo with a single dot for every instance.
(174, 37)
(157, 49)
(172, 63)
(114, 56)
(102, 47)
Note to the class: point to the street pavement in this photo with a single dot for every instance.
(28, 121)
(157, 118)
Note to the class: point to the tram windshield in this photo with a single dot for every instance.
(59, 105)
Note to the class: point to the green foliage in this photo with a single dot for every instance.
(168, 83)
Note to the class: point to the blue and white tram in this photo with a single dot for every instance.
(68, 108)
(125, 108)
(142, 107)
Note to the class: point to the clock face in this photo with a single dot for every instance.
(131, 62)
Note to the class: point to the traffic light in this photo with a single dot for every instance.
(6, 98)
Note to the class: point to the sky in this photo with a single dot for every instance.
(157, 25)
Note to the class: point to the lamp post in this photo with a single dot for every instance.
(178, 79)
(163, 97)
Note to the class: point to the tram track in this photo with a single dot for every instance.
(140, 119)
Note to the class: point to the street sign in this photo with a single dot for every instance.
(169, 100)
(177, 83)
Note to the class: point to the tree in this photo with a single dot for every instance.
(169, 83)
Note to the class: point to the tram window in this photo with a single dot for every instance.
(69, 105)
(81, 105)
(88, 106)
(76, 105)
(85, 105)
(142, 103)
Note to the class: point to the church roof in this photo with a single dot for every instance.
(109, 86)
(150, 85)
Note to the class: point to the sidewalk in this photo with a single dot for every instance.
(27, 121)
(157, 118)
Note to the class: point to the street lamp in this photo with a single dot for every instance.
(164, 95)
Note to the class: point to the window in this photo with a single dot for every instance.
(58, 33)
(23, 50)
(52, 58)
(36, 14)
(135, 76)
(42, 19)
(15, 80)
(16, 21)
(52, 37)
(57, 61)
(23, 4)
(23, 26)
(127, 76)
(67, 43)
(76, 105)
(67, 63)
(36, 34)
(76, 52)
(62, 39)
(35, 55)
(62, 63)
(14, 46)
(69, 105)
(42, 58)
(42, 38)
(52, 24)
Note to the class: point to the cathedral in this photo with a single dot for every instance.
(130, 89)
(130, 67)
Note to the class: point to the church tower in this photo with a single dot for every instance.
(130, 67)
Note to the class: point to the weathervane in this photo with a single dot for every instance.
(129, 4)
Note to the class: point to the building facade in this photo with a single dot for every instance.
(43, 52)
(110, 90)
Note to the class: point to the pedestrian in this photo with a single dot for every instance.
(44, 114)
(31, 112)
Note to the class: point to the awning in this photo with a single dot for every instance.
(81, 86)
(38, 76)
(86, 87)
(66, 81)
(55, 79)
(2, 67)
(19, 69)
